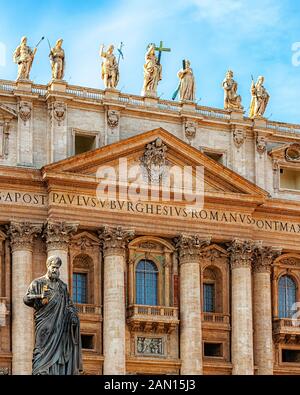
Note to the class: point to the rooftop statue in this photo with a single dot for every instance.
(57, 59)
(152, 72)
(57, 348)
(232, 101)
(110, 67)
(260, 98)
(23, 57)
(187, 90)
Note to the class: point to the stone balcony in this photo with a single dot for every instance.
(89, 312)
(160, 319)
(286, 330)
(215, 320)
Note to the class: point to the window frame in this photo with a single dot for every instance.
(82, 272)
(158, 281)
(287, 275)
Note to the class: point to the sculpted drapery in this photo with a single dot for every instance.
(57, 348)
(152, 73)
(187, 83)
(57, 58)
(232, 101)
(260, 98)
(110, 68)
(23, 57)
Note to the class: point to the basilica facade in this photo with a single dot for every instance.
(161, 286)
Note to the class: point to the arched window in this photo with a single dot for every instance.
(146, 283)
(286, 296)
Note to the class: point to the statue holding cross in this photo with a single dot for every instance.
(153, 69)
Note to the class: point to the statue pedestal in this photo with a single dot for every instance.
(110, 93)
(259, 122)
(150, 100)
(236, 115)
(57, 86)
(24, 85)
(188, 106)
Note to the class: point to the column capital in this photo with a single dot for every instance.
(241, 253)
(114, 239)
(263, 258)
(22, 234)
(58, 234)
(190, 247)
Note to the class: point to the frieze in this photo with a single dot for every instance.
(149, 346)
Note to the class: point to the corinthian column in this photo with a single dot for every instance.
(114, 242)
(57, 236)
(262, 309)
(190, 303)
(21, 238)
(241, 307)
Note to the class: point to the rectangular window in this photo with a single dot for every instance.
(218, 157)
(80, 288)
(84, 143)
(87, 342)
(209, 298)
(213, 350)
(290, 179)
(290, 356)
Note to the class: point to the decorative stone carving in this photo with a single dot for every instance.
(115, 239)
(190, 247)
(22, 234)
(213, 252)
(263, 258)
(113, 117)
(292, 153)
(84, 243)
(149, 346)
(190, 129)
(58, 234)
(58, 110)
(239, 136)
(260, 99)
(232, 101)
(4, 371)
(241, 253)
(25, 110)
(153, 162)
(261, 145)
(57, 59)
(291, 261)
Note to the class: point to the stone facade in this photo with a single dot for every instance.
(241, 241)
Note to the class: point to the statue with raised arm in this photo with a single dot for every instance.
(57, 59)
(187, 90)
(232, 101)
(152, 73)
(110, 67)
(260, 98)
(57, 349)
(23, 57)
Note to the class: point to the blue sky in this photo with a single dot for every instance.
(247, 36)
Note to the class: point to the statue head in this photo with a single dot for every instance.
(110, 48)
(59, 43)
(229, 74)
(151, 49)
(260, 80)
(24, 40)
(53, 264)
(187, 63)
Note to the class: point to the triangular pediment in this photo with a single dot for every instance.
(287, 152)
(7, 112)
(218, 179)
